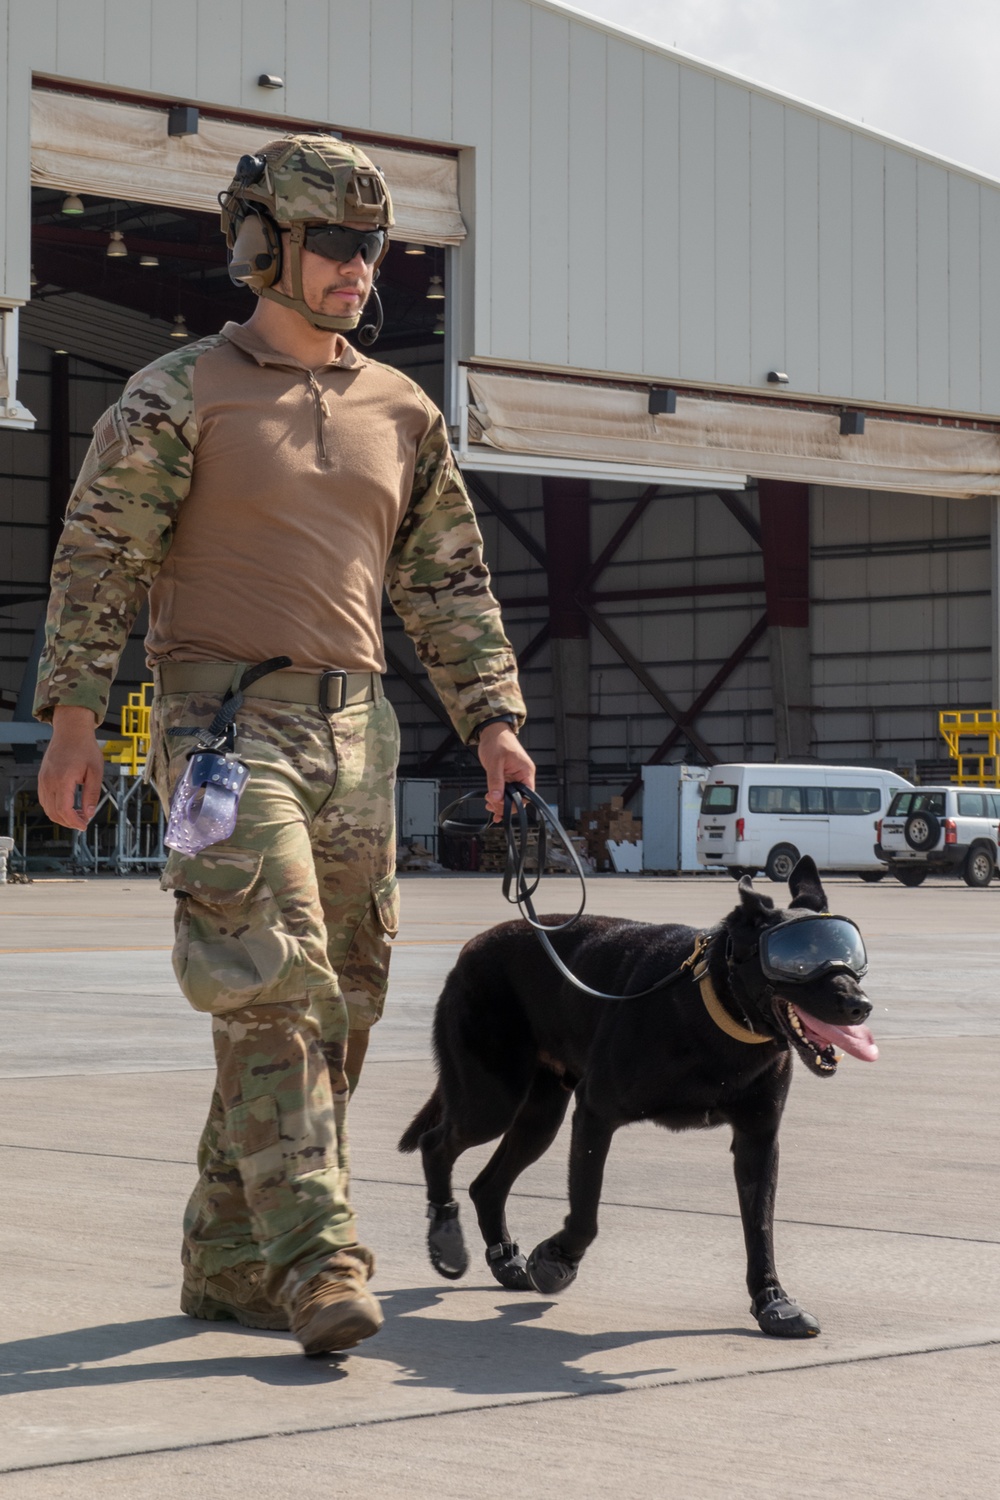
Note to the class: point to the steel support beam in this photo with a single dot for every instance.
(784, 525)
(704, 698)
(566, 506)
(650, 684)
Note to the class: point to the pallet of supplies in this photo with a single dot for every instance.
(611, 820)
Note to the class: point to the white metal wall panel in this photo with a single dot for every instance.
(511, 252)
(390, 65)
(431, 42)
(732, 232)
(765, 289)
(696, 211)
(868, 269)
(901, 275)
(800, 196)
(932, 285)
(963, 293)
(658, 311)
(547, 220)
(834, 286)
(625, 240)
(172, 57)
(308, 27)
(588, 186)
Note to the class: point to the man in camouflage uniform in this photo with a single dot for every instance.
(261, 485)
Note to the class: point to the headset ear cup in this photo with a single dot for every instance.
(255, 257)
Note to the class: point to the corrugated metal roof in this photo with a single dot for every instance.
(91, 329)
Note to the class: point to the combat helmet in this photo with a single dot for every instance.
(297, 183)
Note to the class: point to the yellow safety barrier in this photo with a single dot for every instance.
(133, 747)
(974, 767)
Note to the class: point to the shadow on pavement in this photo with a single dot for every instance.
(510, 1353)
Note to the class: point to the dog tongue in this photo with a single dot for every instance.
(857, 1040)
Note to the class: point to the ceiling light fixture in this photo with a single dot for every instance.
(414, 250)
(116, 245)
(148, 260)
(180, 328)
(439, 325)
(72, 204)
(34, 277)
(435, 291)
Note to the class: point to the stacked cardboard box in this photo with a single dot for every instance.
(493, 852)
(611, 820)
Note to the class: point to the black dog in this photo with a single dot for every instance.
(514, 1040)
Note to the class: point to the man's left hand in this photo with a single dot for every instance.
(504, 759)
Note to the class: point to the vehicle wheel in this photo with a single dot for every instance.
(781, 862)
(871, 876)
(979, 867)
(922, 831)
(910, 874)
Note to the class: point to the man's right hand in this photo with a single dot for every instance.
(72, 759)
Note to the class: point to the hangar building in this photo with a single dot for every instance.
(722, 369)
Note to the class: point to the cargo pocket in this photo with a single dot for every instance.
(232, 947)
(365, 975)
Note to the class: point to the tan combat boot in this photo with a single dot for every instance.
(235, 1293)
(333, 1310)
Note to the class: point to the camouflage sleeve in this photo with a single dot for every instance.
(118, 528)
(439, 586)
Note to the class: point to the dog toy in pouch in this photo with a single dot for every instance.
(204, 805)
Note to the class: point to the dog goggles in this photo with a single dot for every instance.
(806, 949)
(337, 242)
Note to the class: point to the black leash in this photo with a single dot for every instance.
(517, 798)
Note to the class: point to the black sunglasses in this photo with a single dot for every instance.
(337, 242)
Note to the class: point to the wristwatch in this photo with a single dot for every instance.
(495, 719)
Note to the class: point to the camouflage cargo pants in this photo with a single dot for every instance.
(282, 936)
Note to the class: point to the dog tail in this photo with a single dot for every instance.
(425, 1119)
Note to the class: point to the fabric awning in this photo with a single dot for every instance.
(524, 414)
(123, 151)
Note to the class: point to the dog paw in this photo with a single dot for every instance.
(508, 1266)
(782, 1318)
(550, 1270)
(445, 1241)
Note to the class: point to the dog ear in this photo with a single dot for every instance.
(753, 903)
(804, 884)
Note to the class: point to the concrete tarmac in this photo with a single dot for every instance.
(887, 1230)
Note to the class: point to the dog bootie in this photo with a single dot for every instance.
(445, 1242)
(508, 1266)
(779, 1316)
(550, 1269)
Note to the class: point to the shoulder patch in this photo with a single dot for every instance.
(111, 444)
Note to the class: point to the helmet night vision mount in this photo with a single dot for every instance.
(296, 184)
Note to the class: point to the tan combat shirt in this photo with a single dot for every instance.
(263, 505)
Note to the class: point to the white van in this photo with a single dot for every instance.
(763, 817)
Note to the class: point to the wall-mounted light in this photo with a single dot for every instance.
(71, 204)
(852, 423)
(414, 250)
(149, 260)
(777, 377)
(116, 245)
(180, 328)
(435, 289)
(270, 81)
(662, 401)
(182, 119)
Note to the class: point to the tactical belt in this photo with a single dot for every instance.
(330, 691)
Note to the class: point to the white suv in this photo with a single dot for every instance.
(940, 830)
